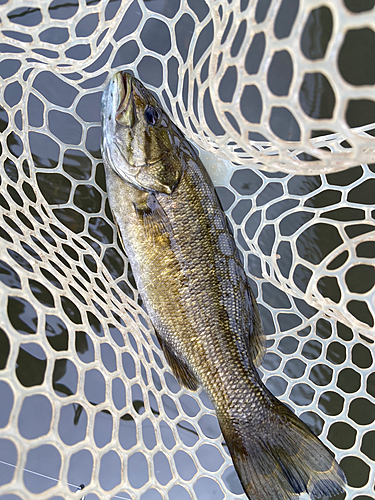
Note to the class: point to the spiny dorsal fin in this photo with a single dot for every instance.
(257, 338)
(179, 368)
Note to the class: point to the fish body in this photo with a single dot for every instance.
(191, 280)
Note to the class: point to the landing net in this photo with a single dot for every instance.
(271, 91)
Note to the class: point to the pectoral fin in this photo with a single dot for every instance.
(154, 219)
(180, 369)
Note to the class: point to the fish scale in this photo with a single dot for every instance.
(189, 275)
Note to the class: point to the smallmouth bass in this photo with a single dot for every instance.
(189, 275)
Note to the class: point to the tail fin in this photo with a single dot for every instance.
(280, 457)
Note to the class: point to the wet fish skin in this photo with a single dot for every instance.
(189, 275)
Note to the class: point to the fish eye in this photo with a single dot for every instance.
(151, 115)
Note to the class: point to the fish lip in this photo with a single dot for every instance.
(124, 82)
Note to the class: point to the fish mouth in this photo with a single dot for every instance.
(125, 114)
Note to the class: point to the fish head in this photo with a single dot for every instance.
(139, 141)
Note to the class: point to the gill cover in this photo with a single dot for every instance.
(139, 140)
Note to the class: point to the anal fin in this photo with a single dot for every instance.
(180, 370)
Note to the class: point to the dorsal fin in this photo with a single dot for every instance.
(257, 338)
(179, 368)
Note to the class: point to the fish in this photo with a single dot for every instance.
(193, 285)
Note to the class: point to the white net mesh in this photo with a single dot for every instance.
(86, 396)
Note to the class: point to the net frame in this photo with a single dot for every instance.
(34, 214)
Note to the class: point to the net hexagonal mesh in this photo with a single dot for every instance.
(281, 89)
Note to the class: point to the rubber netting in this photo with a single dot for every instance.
(277, 89)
